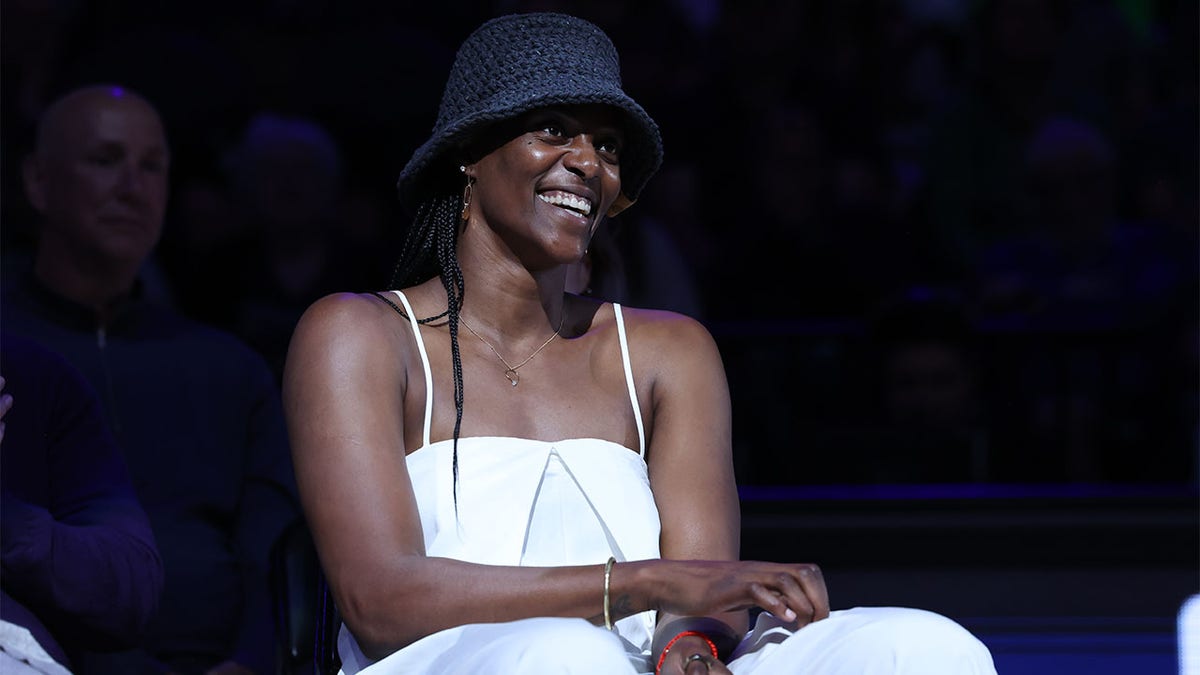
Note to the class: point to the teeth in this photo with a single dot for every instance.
(568, 200)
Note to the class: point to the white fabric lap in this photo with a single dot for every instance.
(539, 645)
(863, 641)
(22, 654)
(859, 641)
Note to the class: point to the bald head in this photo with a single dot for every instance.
(98, 176)
(58, 128)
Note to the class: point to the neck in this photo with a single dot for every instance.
(504, 297)
(91, 284)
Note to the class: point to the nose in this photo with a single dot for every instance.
(131, 182)
(581, 158)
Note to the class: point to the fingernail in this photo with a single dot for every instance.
(789, 614)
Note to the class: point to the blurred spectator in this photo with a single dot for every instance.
(36, 38)
(784, 186)
(287, 182)
(973, 159)
(80, 567)
(195, 412)
(1081, 261)
(898, 397)
(1099, 303)
(827, 240)
(928, 385)
(1160, 149)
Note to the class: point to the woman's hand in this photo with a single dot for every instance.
(793, 592)
(715, 667)
(706, 665)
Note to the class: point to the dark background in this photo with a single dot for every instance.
(937, 241)
(949, 251)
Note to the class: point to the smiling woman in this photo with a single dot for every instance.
(568, 159)
(580, 516)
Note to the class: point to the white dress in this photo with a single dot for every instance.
(576, 502)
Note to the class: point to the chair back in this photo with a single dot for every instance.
(306, 618)
(329, 622)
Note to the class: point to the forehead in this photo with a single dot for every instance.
(589, 116)
(105, 119)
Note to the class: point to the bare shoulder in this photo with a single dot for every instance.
(664, 330)
(681, 379)
(344, 307)
(665, 342)
(342, 326)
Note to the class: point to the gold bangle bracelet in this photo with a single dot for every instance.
(607, 578)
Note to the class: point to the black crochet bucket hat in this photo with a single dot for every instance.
(521, 62)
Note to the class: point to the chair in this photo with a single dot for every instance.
(306, 618)
(329, 622)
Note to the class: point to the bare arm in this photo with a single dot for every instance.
(691, 465)
(692, 477)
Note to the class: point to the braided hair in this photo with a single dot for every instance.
(431, 248)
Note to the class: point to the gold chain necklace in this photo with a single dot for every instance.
(511, 372)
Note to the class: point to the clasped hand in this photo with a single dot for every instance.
(793, 592)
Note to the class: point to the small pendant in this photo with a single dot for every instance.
(512, 376)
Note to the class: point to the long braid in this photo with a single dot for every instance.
(431, 247)
(452, 281)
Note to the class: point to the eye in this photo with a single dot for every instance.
(154, 166)
(104, 158)
(548, 126)
(609, 147)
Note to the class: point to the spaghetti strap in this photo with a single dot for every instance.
(416, 327)
(637, 409)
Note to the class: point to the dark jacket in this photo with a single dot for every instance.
(80, 567)
(199, 418)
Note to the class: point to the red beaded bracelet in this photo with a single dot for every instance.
(663, 657)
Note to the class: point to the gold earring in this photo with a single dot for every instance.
(466, 199)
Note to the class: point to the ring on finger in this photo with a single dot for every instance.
(702, 658)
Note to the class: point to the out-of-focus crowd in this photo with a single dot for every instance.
(937, 241)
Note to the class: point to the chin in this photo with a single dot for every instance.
(126, 252)
(567, 251)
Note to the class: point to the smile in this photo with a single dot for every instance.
(567, 201)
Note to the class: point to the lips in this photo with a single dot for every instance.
(567, 200)
(122, 221)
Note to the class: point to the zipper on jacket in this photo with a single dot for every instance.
(102, 344)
